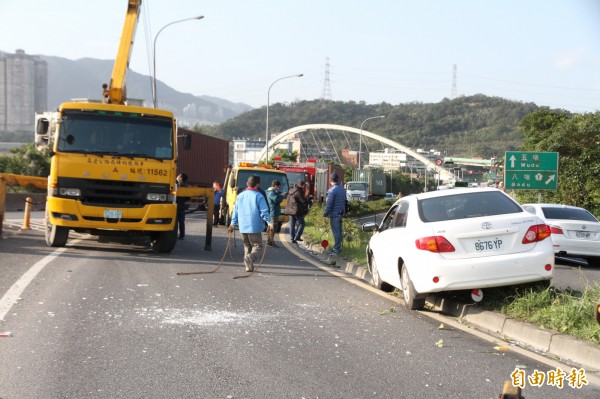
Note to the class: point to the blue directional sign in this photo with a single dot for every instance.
(531, 170)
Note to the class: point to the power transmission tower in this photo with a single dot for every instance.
(326, 95)
(454, 81)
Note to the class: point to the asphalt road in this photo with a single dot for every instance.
(114, 320)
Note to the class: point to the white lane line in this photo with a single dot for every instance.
(15, 291)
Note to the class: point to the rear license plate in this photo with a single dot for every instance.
(113, 214)
(583, 234)
(488, 245)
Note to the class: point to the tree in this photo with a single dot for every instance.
(577, 141)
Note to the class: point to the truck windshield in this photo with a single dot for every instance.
(293, 177)
(357, 186)
(266, 179)
(116, 134)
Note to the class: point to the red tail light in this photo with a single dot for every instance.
(536, 233)
(434, 244)
(556, 230)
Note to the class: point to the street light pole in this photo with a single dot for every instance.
(154, 95)
(268, 100)
(360, 140)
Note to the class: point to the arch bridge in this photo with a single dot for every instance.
(444, 174)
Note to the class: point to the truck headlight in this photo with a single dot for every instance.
(69, 192)
(156, 197)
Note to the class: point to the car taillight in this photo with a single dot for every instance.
(434, 244)
(536, 233)
(556, 230)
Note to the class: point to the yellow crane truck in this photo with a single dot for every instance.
(113, 165)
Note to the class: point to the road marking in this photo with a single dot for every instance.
(14, 292)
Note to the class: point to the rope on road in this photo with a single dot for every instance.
(256, 268)
(227, 250)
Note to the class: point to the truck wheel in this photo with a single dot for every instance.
(56, 236)
(165, 241)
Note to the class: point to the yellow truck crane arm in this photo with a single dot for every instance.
(115, 93)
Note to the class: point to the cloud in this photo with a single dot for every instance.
(570, 58)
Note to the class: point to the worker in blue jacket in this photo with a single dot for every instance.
(335, 207)
(274, 199)
(251, 213)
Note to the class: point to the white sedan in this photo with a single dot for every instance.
(459, 239)
(575, 231)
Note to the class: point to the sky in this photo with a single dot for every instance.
(397, 51)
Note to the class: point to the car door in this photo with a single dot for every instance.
(392, 241)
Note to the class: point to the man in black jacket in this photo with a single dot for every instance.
(297, 207)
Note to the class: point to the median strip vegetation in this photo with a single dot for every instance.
(565, 311)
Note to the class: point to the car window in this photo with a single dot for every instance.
(529, 209)
(568, 214)
(467, 205)
(401, 213)
(386, 223)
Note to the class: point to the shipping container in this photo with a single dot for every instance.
(204, 159)
(322, 181)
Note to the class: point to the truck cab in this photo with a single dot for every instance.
(235, 183)
(357, 191)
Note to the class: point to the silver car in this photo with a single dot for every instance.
(575, 231)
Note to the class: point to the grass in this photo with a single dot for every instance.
(565, 311)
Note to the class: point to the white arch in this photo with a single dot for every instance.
(444, 174)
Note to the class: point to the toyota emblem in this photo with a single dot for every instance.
(486, 225)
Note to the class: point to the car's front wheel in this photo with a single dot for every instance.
(375, 278)
(409, 293)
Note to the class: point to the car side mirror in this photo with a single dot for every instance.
(232, 182)
(370, 227)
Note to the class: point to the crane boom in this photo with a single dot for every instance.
(116, 92)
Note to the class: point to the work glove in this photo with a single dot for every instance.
(270, 227)
(230, 229)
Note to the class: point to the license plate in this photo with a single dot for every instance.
(488, 245)
(113, 214)
(583, 234)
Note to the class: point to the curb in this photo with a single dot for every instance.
(563, 347)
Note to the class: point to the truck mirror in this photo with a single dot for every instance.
(42, 126)
(232, 182)
(187, 141)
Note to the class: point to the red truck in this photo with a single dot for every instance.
(316, 174)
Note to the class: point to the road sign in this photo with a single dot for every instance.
(531, 170)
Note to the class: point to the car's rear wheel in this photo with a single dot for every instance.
(375, 278)
(409, 293)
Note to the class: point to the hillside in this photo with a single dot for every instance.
(466, 126)
(83, 78)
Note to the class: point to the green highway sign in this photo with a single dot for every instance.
(530, 170)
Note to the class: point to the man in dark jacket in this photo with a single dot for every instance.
(335, 207)
(296, 207)
(181, 182)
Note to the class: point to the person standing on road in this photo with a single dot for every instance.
(181, 182)
(274, 199)
(251, 213)
(335, 207)
(218, 194)
(297, 207)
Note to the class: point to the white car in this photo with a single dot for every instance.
(575, 231)
(461, 239)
